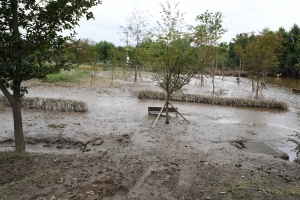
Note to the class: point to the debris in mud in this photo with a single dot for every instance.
(239, 144)
(105, 186)
(238, 164)
(7, 141)
(251, 132)
(56, 126)
(284, 156)
(86, 147)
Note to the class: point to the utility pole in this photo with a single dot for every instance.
(136, 52)
(127, 58)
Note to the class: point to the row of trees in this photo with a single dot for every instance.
(288, 53)
(232, 55)
(86, 51)
(226, 56)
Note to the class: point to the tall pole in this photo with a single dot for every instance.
(127, 58)
(136, 52)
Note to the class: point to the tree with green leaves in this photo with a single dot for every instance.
(104, 50)
(31, 40)
(291, 52)
(261, 54)
(233, 59)
(211, 24)
(181, 51)
(223, 55)
(241, 41)
(81, 51)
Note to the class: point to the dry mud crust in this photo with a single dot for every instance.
(136, 174)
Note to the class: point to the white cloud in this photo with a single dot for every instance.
(239, 16)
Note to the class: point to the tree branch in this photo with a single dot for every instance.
(6, 92)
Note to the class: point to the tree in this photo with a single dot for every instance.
(179, 51)
(261, 54)
(81, 51)
(291, 51)
(31, 38)
(137, 29)
(104, 50)
(241, 41)
(233, 59)
(223, 54)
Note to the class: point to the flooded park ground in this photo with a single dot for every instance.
(112, 151)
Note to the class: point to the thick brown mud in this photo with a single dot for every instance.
(118, 126)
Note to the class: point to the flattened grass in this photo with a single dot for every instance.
(49, 104)
(215, 100)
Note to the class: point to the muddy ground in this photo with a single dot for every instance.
(112, 151)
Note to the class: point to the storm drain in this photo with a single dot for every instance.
(259, 147)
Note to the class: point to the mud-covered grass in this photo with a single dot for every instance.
(215, 100)
(49, 104)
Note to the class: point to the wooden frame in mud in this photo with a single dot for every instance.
(163, 108)
(155, 110)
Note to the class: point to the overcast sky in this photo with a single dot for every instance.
(240, 16)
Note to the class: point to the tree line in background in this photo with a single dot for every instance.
(287, 55)
(237, 55)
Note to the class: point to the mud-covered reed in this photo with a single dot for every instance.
(49, 104)
(215, 100)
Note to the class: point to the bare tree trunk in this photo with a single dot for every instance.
(135, 73)
(240, 71)
(15, 99)
(213, 82)
(253, 85)
(202, 79)
(257, 86)
(15, 102)
(213, 77)
(18, 127)
(167, 109)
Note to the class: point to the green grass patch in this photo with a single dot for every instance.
(63, 77)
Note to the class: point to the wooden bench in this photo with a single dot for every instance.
(296, 91)
(156, 110)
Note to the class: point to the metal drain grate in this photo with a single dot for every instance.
(259, 147)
